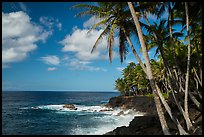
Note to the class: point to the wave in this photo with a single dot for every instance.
(111, 118)
(106, 124)
(60, 107)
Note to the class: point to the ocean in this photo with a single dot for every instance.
(42, 113)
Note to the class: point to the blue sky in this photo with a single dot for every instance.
(44, 47)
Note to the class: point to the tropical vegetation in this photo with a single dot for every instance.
(177, 73)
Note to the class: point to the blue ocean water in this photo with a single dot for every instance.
(42, 113)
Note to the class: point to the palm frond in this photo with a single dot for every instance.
(105, 31)
(161, 11)
(100, 23)
(111, 39)
(122, 47)
(91, 10)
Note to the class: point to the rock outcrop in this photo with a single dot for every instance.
(149, 124)
(138, 103)
(141, 125)
(70, 106)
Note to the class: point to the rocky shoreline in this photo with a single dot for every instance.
(149, 123)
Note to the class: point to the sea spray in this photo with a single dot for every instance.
(106, 119)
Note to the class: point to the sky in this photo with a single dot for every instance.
(46, 48)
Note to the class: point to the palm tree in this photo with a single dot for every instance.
(118, 20)
(160, 36)
(102, 11)
(149, 71)
(114, 17)
(156, 90)
(120, 86)
(172, 83)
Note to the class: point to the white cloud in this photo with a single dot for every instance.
(47, 21)
(120, 68)
(44, 35)
(51, 68)
(59, 24)
(71, 63)
(76, 64)
(65, 58)
(80, 43)
(51, 60)
(50, 22)
(19, 36)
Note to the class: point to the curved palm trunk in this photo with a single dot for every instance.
(149, 72)
(189, 124)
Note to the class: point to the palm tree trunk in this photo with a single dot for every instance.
(171, 40)
(135, 52)
(189, 124)
(200, 82)
(149, 72)
(168, 109)
(195, 101)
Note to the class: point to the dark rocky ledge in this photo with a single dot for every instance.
(149, 124)
(139, 103)
(141, 125)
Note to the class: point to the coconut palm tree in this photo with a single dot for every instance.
(172, 84)
(160, 36)
(154, 86)
(118, 21)
(116, 18)
(120, 86)
(149, 71)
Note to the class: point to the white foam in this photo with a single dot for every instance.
(82, 108)
(111, 119)
(112, 122)
(50, 107)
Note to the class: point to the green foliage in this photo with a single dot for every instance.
(149, 95)
(165, 95)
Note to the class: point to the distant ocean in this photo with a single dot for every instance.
(42, 113)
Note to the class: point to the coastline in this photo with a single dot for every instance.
(148, 124)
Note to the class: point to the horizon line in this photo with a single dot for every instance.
(61, 90)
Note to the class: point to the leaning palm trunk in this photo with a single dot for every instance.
(180, 128)
(172, 81)
(199, 80)
(135, 52)
(195, 101)
(149, 72)
(168, 109)
(189, 124)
